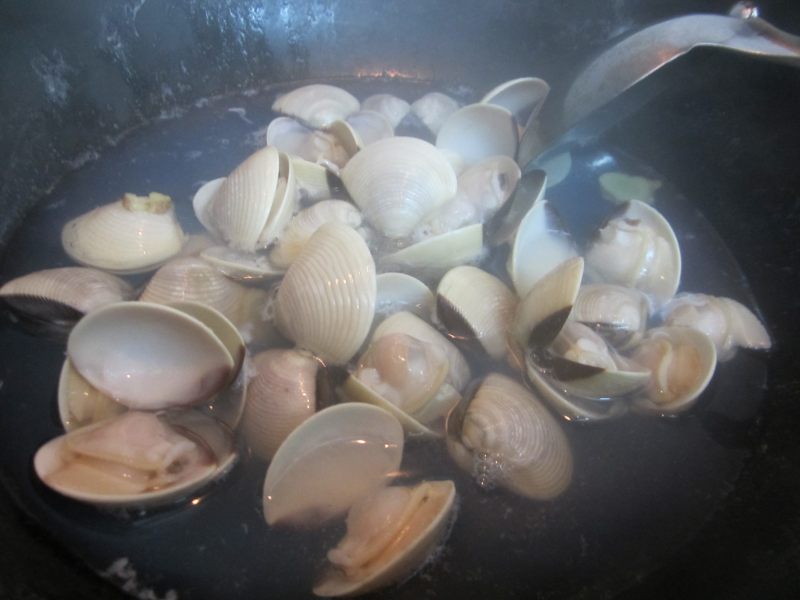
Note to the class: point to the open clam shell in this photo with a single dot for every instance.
(478, 131)
(80, 403)
(59, 297)
(326, 301)
(152, 356)
(312, 145)
(137, 459)
(523, 97)
(241, 266)
(637, 248)
(133, 235)
(401, 292)
(617, 313)
(390, 533)
(397, 181)
(435, 255)
(329, 462)
(506, 437)
(484, 317)
(317, 105)
(682, 361)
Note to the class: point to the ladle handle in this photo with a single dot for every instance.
(639, 55)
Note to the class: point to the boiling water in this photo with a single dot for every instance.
(642, 486)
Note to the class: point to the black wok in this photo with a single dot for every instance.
(75, 75)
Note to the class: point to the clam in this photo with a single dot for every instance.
(390, 534)
(329, 462)
(728, 323)
(316, 146)
(280, 395)
(133, 235)
(528, 191)
(80, 403)
(197, 280)
(478, 131)
(241, 266)
(484, 316)
(313, 182)
(410, 324)
(326, 301)
(436, 254)
(617, 313)
(637, 248)
(302, 226)
(137, 459)
(541, 243)
(523, 97)
(202, 201)
(317, 105)
(401, 292)
(196, 244)
(390, 106)
(59, 297)
(682, 361)
(407, 377)
(433, 109)
(506, 437)
(254, 202)
(152, 356)
(397, 181)
(370, 126)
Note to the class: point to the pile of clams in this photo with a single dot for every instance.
(345, 301)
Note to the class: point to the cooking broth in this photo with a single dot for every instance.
(641, 488)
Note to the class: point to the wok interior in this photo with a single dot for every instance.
(77, 80)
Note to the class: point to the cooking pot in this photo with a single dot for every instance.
(77, 76)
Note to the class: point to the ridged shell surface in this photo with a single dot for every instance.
(506, 422)
(326, 301)
(397, 181)
(128, 236)
(81, 288)
(433, 109)
(390, 106)
(317, 105)
(280, 396)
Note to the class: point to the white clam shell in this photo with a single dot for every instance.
(397, 181)
(154, 460)
(728, 323)
(326, 301)
(508, 438)
(80, 403)
(617, 313)
(637, 248)
(371, 126)
(294, 138)
(317, 105)
(540, 244)
(150, 356)
(390, 106)
(433, 109)
(329, 462)
(682, 361)
(303, 225)
(280, 395)
(241, 266)
(134, 234)
(435, 255)
(202, 200)
(475, 305)
(65, 293)
(478, 131)
(408, 323)
(389, 535)
(523, 97)
(401, 292)
(313, 181)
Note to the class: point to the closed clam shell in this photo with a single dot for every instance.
(682, 362)
(133, 235)
(150, 356)
(326, 301)
(467, 315)
(478, 131)
(137, 459)
(637, 248)
(508, 438)
(390, 534)
(433, 109)
(317, 105)
(370, 126)
(240, 208)
(303, 225)
(280, 395)
(389, 105)
(410, 324)
(329, 462)
(63, 295)
(397, 181)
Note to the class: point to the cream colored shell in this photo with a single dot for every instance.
(317, 105)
